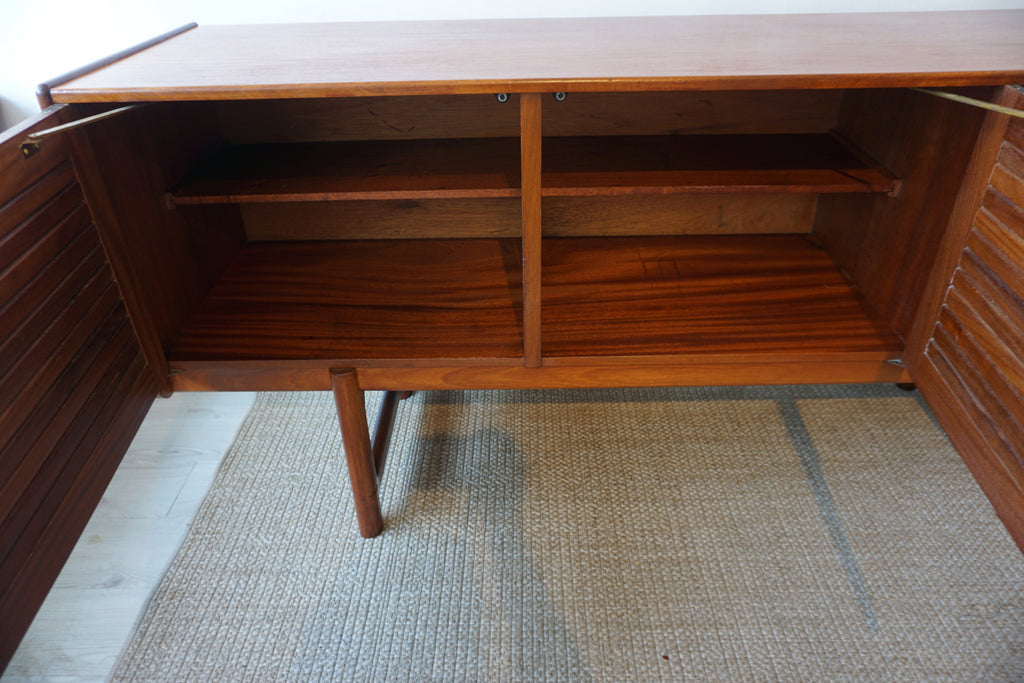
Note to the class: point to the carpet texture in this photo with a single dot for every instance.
(728, 534)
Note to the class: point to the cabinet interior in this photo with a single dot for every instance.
(744, 226)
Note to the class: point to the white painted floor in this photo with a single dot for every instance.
(130, 539)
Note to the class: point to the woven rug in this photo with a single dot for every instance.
(727, 534)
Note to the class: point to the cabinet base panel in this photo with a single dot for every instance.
(284, 377)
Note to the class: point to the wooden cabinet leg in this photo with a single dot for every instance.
(382, 434)
(355, 434)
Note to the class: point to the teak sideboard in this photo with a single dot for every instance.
(506, 204)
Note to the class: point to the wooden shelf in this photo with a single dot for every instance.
(387, 299)
(676, 164)
(573, 166)
(751, 297)
(611, 300)
(402, 169)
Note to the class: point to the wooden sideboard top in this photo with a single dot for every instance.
(543, 55)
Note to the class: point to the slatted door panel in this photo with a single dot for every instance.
(74, 385)
(973, 367)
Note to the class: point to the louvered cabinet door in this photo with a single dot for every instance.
(972, 369)
(74, 385)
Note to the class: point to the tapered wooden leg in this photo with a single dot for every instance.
(355, 434)
(385, 427)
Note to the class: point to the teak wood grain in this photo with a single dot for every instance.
(887, 245)
(39, 303)
(384, 219)
(611, 165)
(675, 371)
(678, 214)
(545, 55)
(974, 186)
(74, 384)
(627, 215)
(761, 296)
(971, 368)
(573, 166)
(126, 164)
(357, 170)
(532, 155)
(43, 94)
(428, 299)
(533, 243)
(682, 112)
(359, 455)
(428, 117)
(754, 298)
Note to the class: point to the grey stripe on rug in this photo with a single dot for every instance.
(822, 533)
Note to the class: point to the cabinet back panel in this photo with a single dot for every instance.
(685, 214)
(689, 113)
(476, 116)
(388, 219)
(368, 118)
(694, 214)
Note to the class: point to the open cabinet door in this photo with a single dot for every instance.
(74, 385)
(971, 370)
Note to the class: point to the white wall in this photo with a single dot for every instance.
(41, 39)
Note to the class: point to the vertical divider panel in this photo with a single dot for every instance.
(530, 141)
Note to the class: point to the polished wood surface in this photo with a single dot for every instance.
(682, 112)
(481, 290)
(887, 245)
(595, 166)
(421, 169)
(678, 214)
(972, 368)
(426, 299)
(573, 166)
(545, 55)
(362, 471)
(698, 373)
(384, 428)
(74, 383)
(387, 219)
(353, 119)
(126, 164)
(45, 98)
(430, 117)
(675, 371)
(969, 197)
(673, 214)
(753, 298)
(763, 297)
(532, 161)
